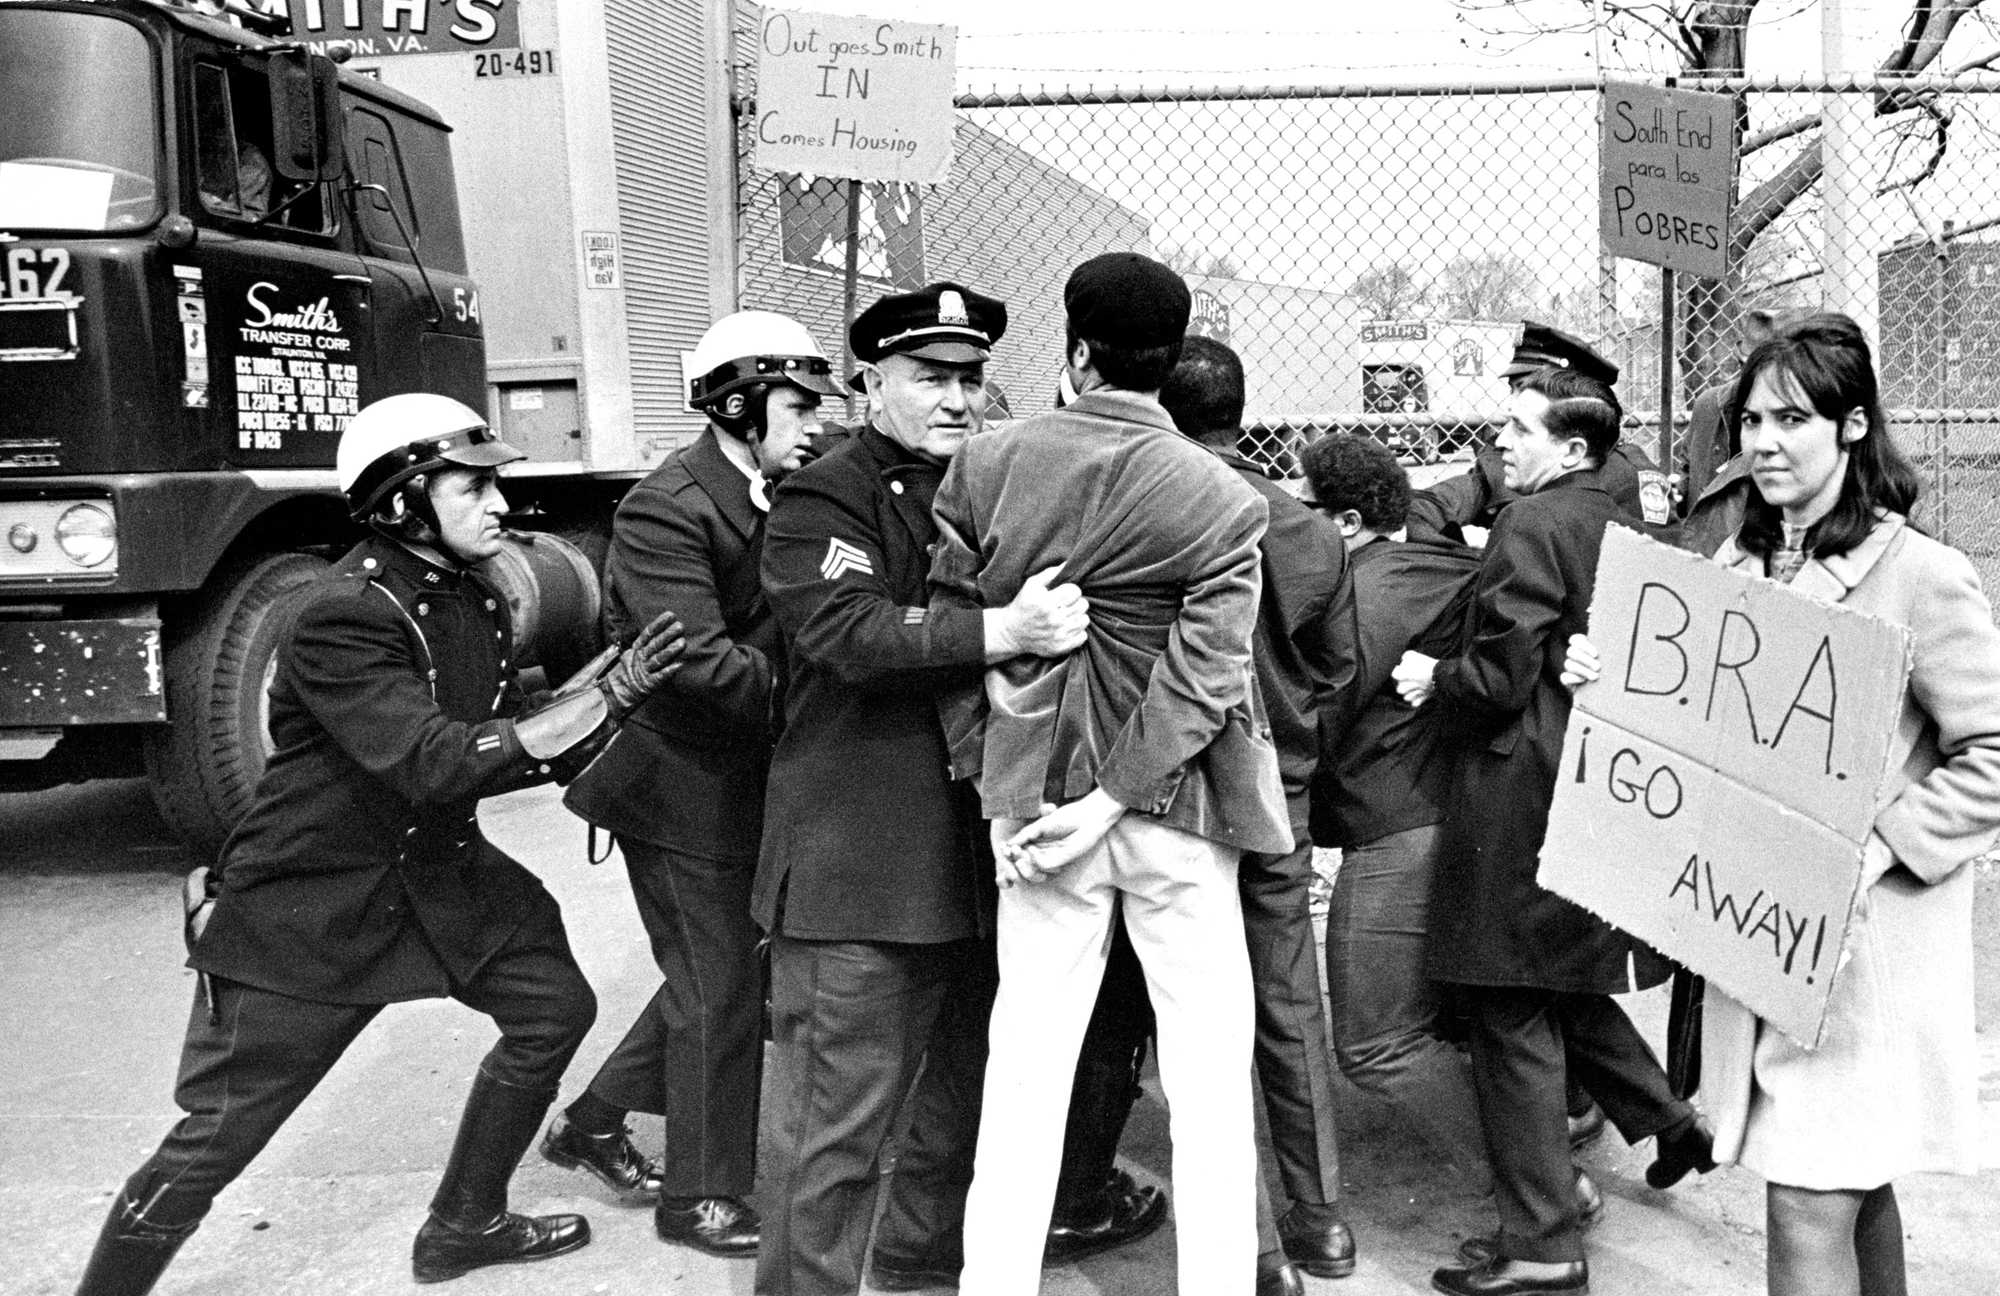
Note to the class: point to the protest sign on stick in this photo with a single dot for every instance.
(1718, 783)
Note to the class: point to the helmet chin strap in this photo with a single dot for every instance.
(408, 518)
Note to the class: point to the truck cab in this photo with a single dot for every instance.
(215, 246)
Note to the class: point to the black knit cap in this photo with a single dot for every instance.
(1543, 346)
(1123, 299)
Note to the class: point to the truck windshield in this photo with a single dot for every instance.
(78, 123)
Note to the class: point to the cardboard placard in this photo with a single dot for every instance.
(1718, 783)
(1668, 176)
(859, 98)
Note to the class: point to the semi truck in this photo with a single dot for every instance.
(215, 246)
(1439, 372)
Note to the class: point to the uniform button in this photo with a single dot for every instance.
(503, 663)
(896, 487)
(369, 563)
(544, 769)
(498, 635)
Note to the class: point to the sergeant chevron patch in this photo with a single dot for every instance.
(842, 558)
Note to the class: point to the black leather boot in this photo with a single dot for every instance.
(130, 1254)
(470, 1226)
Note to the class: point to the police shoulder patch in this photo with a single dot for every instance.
(842, 558)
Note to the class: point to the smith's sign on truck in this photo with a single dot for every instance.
(214, 248)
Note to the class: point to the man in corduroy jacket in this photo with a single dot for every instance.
(1130, 775)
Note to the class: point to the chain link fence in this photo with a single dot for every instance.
(1371, 251)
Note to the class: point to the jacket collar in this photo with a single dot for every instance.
(413, 567)
(1581, 479)
(722, 481)
(1240, 462)
(1123, 406)
(910, 480)
(1828, 579)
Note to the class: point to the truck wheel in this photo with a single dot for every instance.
(205, 762)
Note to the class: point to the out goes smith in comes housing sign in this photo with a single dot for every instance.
(1719, 781)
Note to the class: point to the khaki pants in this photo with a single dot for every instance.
(1182, 912)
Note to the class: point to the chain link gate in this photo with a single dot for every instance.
(1371, 251)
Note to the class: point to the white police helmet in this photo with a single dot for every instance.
(393, 440)
(746, 352)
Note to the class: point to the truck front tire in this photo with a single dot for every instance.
(204, 763)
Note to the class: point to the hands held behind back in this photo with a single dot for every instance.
(1028, 852)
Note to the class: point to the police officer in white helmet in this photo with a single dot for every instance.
(682, 791)
(359, 876)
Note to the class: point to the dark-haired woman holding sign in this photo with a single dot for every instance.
(1893, 1085)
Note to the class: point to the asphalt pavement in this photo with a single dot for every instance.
(93, 1000)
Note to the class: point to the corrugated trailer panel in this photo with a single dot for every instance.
(660, 106)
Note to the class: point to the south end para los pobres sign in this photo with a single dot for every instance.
(1719, 782)
(858, 98)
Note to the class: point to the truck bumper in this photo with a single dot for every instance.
(60, 673)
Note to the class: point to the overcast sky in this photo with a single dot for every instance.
(1131, 43)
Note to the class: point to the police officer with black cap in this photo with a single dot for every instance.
(359, 876)
(872, 882)
(1634, 480)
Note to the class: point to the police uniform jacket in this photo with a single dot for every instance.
(360, 874)
(1474, 497)
(686, 770)
(866, 837)
(1502, 700)
(1160, 706)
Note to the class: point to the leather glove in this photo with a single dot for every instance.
(654, 654)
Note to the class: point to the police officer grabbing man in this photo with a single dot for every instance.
(682, 789)
(360, 877)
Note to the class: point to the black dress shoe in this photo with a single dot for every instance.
(1126, 1212)
(721, 1226)
(446, 1251)
(1677, 1151)
(1282, 1281)
(937, 1267)
(1589, 1210)
(1513, 1278)
(1586, 1126)
(619, 1165)
(1323, 1247)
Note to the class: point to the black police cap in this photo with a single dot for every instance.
(1543, 346)
(1124, 299)
(946, 322)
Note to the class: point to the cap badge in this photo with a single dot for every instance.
(951, 309)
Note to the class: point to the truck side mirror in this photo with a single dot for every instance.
(305, 116)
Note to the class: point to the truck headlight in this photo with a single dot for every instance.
(86, 535)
